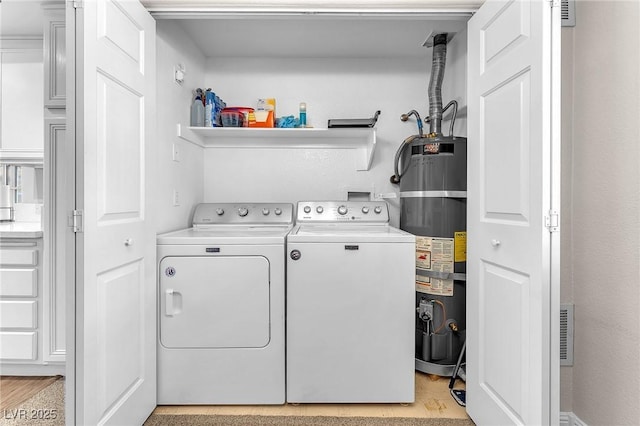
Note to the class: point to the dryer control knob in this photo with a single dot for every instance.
(365, 210)
(295, 254)
(342, 210)
(278, 211)
(307, 209)
(265, 211)
(243, 211)
(319, 209)
(378, 209)
(219, 211)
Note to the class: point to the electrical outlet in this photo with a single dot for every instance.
(175, 154)
(176, 198)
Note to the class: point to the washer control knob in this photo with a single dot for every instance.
(243, 211)
(295, 254)
(265, 211)
(377, 209)
(342, 210)
(319, 209)
(278, 211)
(219, 211)
(307, 209)
(365, 209)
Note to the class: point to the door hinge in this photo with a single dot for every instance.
(552, 221)
(77, 224)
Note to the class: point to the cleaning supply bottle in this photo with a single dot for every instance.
(210, 109)
(303, 114)
(197, 110)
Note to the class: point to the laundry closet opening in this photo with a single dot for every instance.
(340, 66)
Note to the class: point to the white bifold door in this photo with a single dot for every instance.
(512, 305)
(114, 368)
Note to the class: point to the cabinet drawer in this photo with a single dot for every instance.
(18, 346)
(19, 282)
(18, 257)
(18, 314)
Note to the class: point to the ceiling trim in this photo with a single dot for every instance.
(314, 7)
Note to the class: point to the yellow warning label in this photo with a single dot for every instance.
(434, 255)
(460, 244)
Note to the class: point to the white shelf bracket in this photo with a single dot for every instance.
(188, 135)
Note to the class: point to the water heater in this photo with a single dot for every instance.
(431, 170)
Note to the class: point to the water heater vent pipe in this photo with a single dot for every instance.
(435, 83)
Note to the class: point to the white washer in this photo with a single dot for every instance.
(221, 336)
(350, 305)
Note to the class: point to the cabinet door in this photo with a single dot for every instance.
(55, 241)
(54, 57)
(21, 112)
(513, 258)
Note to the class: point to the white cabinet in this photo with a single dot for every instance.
(54, 56)
(21, 75)
(27, 324)
(20, 300)
(56, 193)
(56, 153)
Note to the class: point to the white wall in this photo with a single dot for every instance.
(566, 271)
(331, 88)
(174, 102)
(605, 214)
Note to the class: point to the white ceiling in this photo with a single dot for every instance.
(21, 18)
(357, 37)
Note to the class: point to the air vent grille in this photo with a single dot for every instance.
(568, 13)
(566, 334)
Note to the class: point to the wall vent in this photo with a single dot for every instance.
(566, 334)
(568, 13)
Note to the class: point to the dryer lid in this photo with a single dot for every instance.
(327, 233)
(227, 234)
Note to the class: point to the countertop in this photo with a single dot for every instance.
(21, 230)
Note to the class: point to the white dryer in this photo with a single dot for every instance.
(350, 305)
(221, 334)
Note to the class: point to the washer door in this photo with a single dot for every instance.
(214, 302)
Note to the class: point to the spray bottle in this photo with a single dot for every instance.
(197, 110)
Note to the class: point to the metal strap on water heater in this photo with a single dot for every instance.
(442, 275)
(433, 194)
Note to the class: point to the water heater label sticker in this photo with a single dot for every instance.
(437, 255)
(460, 246)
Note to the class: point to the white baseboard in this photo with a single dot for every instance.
(570, 419)
(53, 369)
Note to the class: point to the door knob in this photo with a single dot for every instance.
(128, 242)
(495, 242)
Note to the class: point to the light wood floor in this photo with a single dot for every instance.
(432, 401)
(15, 390)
